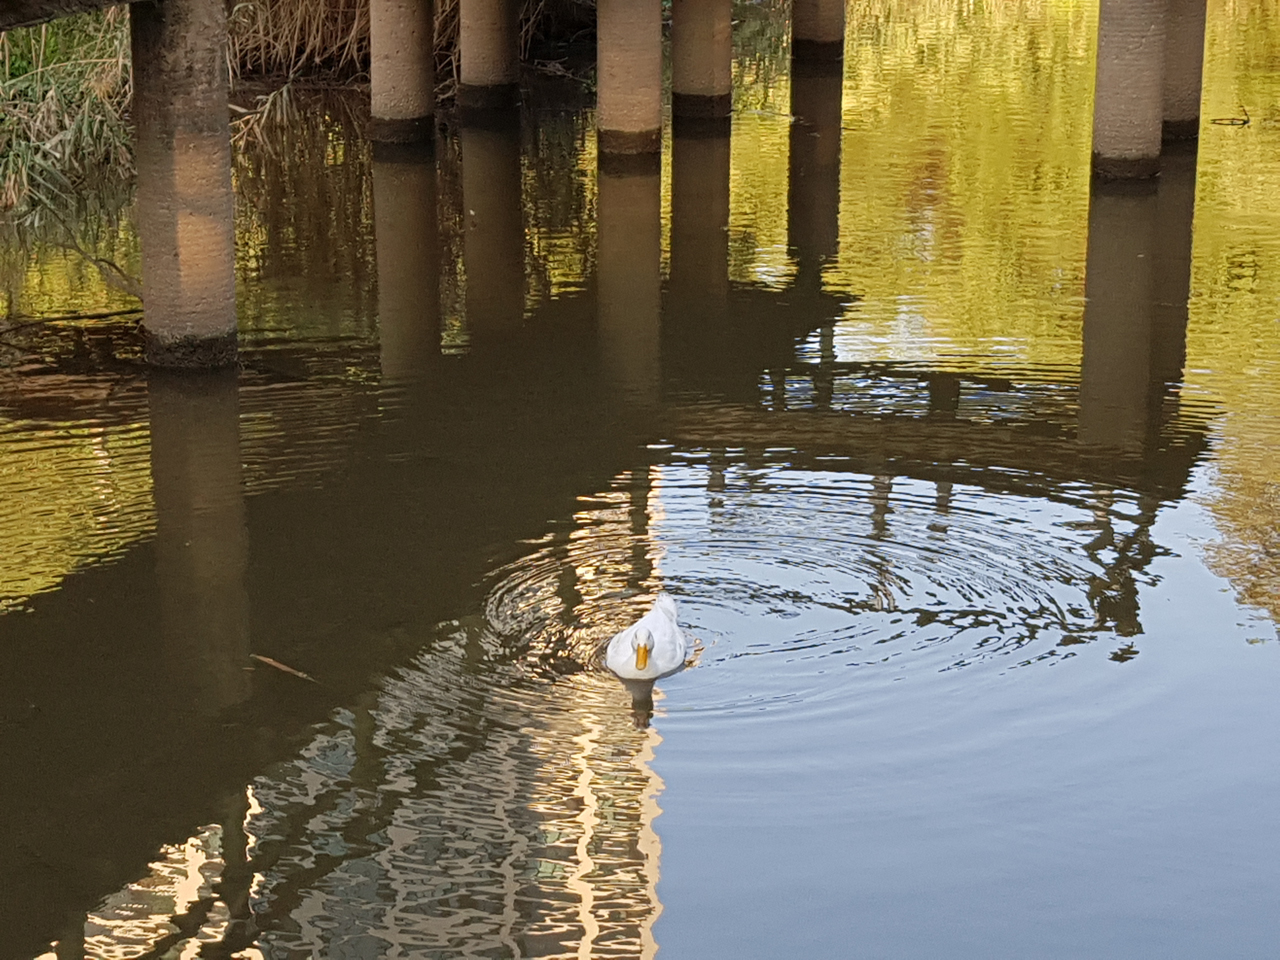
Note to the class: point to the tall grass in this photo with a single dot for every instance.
(64, 97)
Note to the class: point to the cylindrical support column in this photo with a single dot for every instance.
(1116, 383)
(1128, 104)
(202, 542)
(817, 30)
(700, 226)
(1183, 68)
(493, 244)
(489, 49)
(185, 210)
(402, 77)
(629, 282)
(406, 231)
(629, 78)
(813, 190)
(701, 61)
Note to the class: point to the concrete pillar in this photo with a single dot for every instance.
(202, 544)
(700, 226)
(493, 245)
(813, 191)
(629, 80)
(629, 282)
(1116, 369)
(402, 76)
(817, 30)
(406, 230)
(701, 61)
(185, 211)
(1128, 104)
(489, 50)
(1183, 68)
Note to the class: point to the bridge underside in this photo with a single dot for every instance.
(26, 13)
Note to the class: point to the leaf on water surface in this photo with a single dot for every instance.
(283, 667)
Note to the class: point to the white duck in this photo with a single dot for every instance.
(652, 647)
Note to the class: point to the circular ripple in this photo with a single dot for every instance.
(786, 575)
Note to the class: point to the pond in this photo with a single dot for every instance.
(964, 475)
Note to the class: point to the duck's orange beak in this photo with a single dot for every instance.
(642, 657)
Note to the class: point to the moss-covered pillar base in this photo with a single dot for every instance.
(817, 30)
(1183, 68)
(489, 48)
(1128, 103)
(701, 63)
(402, 82)
(629, 83)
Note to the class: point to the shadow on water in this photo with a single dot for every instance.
(439, 522)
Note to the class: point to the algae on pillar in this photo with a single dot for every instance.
(185, 210)
(489, 51)
(629, 78)
(702, 60)
(1183, 68)
(817, 29)
(1128, 105)
(402, 81)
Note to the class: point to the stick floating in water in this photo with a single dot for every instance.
(283, 667)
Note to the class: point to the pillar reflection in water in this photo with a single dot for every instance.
(494, 242)
(1136, 286)
(700, 226)
(629, 281)
(407, 233)
(813, 194)
(202, 544)
(1115, 372)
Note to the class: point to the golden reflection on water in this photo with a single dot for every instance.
(1233, 340)
(963, 219)
(962, 226)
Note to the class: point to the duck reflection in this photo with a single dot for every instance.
(641, 693)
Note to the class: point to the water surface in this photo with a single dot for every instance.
(962, 474)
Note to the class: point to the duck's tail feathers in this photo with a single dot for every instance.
(667, 604)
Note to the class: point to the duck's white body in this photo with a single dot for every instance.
(652, 647)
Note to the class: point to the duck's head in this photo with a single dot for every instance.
(642, 645)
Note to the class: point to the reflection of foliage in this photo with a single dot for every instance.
(304, 217)
(1232, 344)
(965, 173)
